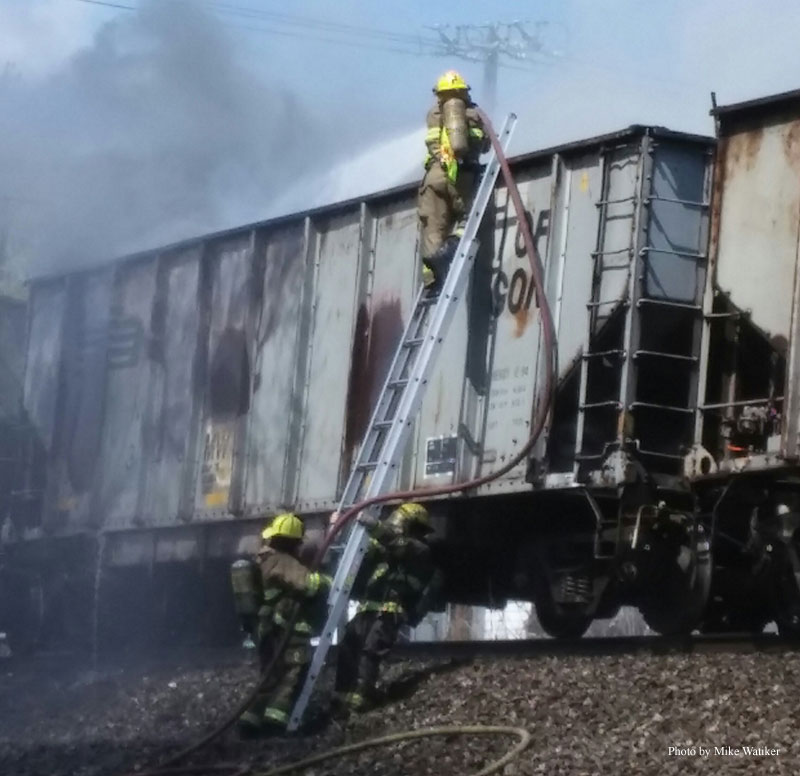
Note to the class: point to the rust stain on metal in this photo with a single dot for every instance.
(791, 144)
(790, 138)
(377, 333)
(742, 150)
(357, 404)
(718, 185)
(521, 319)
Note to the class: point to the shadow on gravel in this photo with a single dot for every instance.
(405, 685)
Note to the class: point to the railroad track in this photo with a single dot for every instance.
(614, 645)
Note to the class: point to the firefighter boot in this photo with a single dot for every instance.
(439, 263)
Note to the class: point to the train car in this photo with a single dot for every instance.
(183, 394)
(745, 471)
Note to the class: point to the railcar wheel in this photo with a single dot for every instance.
(787, 614)
(680, 588)
(783, 546)
(561, 621)
(737, 603)
(730, 620)
(789, 624)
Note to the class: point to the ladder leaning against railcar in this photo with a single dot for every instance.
(396, 409)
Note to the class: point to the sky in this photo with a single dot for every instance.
(123, 129)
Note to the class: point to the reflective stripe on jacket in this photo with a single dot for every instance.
(289, 584)
(402, 568)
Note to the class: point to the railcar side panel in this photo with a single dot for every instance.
(276, 352)
(760, 221)
(127, 443)
(383, 309)
(754, 250)
(46, 330)
(175, 398)
(228, 371)
(80, 414)
(333, 323)
(514, 350)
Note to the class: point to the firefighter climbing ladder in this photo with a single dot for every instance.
(395, 411)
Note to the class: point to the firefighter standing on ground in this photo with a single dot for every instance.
(455, 140)
(286, 583)
(401, 583)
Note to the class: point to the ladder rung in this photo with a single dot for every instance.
(667, 303)
(619, 201)
(600, 353)
(617, 252)
(737, 314)
(413, 343)
(656, 454)
(666, 251)
(368, 465)
(687, 202)
(742, 403)
(658, 354)
(666, 407)
(382, 424)
(589, 456)
(395, 384)
(597, 404)
(606, 302)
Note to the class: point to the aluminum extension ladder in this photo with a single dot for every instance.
(396, 410)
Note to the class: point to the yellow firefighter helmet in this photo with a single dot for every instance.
(449, 82)
(287, 525)
(409, 514)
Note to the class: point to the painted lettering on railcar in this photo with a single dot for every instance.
(518, 292)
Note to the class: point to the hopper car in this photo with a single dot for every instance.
(182, 395)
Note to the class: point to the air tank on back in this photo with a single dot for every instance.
(454, 118)
(246, 584)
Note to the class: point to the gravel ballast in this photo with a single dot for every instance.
(630, 714)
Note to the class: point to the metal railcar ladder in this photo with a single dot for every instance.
(383, 447)
(608, 260)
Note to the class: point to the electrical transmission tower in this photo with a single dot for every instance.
(491, 43)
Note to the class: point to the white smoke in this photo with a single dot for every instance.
(384, 165)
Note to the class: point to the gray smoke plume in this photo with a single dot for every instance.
(154, 133)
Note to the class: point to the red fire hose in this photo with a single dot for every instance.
(542, 411)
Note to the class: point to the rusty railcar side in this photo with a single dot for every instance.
(745, 461)
(183, 394)
(233, 375)
(751, 309)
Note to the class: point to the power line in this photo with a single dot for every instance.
(345, 31)
(338, 42)
(319, 24)
(110, 5)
